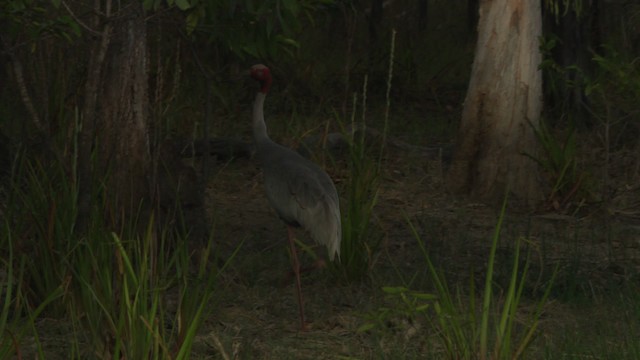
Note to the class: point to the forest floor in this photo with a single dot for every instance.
(592, 312)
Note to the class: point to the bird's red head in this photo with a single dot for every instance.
(262, 74)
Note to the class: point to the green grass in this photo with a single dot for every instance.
(148, 295)
(470, 325)
(606, 327)
(128, 295)
(360, 239)
(452, 287)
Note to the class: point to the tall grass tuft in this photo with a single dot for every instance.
(137, 297)
(14, 305)
(361, 241)
(465, 329)
(41, 211)
(461, 333)
(559, 161)
(125, 294)
(35, 236)
(8, 285)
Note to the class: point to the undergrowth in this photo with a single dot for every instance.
(127, 294)
(466, 329)
(361, 240)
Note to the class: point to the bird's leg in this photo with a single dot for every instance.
(296, 270)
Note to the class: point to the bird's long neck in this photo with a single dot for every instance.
(259, 127)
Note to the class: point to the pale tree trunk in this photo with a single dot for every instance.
(115, 114)
(503, 102)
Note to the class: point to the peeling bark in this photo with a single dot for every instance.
(503, 102)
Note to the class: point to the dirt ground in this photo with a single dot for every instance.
(255, 313)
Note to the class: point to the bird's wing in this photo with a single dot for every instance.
(304, 194)
(317, 208)
(306, 189)
(293, 189)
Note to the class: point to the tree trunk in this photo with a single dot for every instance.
(503, 102)
(115, 115)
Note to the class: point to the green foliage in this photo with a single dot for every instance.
(610, 329)
(407, 303)
(118, 290)
(36, 19)
(558, 158)
(611, 88)
(122, 293)
(258, 29)
(616, 85)
(559, 80)
(8, 283)
(559, 8)
(360, 239)
(19, 308)
(559, 161)
(464, 332)
(37, 238)
(13, 300)
(43, 206)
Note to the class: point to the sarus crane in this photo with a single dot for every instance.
(300, 192)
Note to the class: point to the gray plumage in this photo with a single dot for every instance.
(299, 190)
